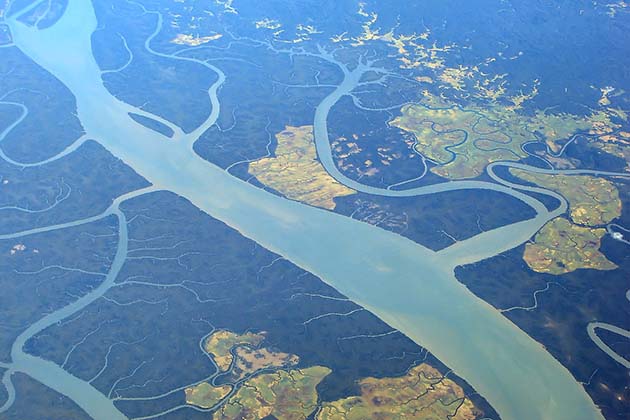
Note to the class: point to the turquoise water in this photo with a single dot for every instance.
(408, 286)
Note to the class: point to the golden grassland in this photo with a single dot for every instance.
(286, 395)
(423, 393)
(249, 360)
(205, 395)
(479, 89)
(593, 201)
(464, 140)
(561, 247)
(295, 171)
(564, 245)
(272, 386)
(220, 344)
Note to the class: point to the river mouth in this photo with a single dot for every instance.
(408, 286)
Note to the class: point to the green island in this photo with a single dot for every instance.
(561, 247)
(592, 200)
(423, 393)
(205, 395)
(464, 140)
(225, 346)
(249, 361)
(475, 118)
(220, 344)
(295, 171)
(286, 395)
(268, 384)
(564, 245)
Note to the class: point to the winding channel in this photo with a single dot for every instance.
(409, 286)
(592, 333)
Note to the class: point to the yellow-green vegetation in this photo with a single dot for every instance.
(420, 394)
(220, 343)
(592, 201)
(291, 394)
(252, 360)
(287, 395)
(461, 150)
(296, 172)
(561, 247)
(448, 137)
(463, 141)
(224, 347)
(205, 395)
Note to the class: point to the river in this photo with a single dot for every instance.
(408, 286)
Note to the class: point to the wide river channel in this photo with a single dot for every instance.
(410, 287)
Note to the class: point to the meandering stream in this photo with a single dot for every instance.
(408, 286)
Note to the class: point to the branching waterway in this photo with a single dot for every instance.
(410, 287)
